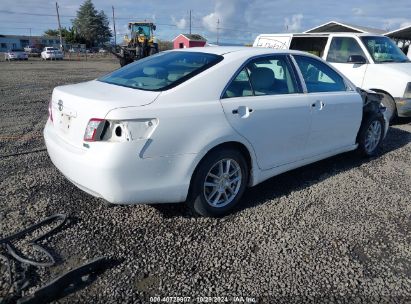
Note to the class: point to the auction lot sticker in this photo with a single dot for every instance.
(205, 299)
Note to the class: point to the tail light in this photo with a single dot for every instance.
(51, 110)
(94, 129)
(119, 131)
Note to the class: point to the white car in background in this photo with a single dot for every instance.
(201, 124)
(16, 54)
(51, 53)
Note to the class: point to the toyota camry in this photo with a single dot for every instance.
(201, 125)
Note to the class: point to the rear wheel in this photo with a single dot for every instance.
(123, 61)
(371, 135)
(218, 183)
(153, 50)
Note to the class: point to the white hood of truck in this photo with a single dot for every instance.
(389, 77)
(400, 67)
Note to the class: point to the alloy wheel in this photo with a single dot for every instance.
(222, 183)
(373, 136)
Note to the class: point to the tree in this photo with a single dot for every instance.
(69, 35)
(90, 25)
(103, 29)
(164, 45)
(52, 33)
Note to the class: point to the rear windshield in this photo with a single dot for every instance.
(162, 71)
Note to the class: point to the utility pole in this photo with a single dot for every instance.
(190, 22)
(30, 38)
(58, 19)
(114, 27)
(218, 30)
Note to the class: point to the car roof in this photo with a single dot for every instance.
(238, 50)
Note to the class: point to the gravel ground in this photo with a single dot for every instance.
(335, 231)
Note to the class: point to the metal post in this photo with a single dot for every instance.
(190, 22)
(114, 27)
(218, 30)
(58, 19)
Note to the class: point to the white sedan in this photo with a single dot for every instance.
(16, 54)
(52, 53)
(200, 125)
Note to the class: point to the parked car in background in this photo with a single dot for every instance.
(52, 53)
(370, 61)
(32, 51)
(102, 51)
(16, 54)
(201, 124)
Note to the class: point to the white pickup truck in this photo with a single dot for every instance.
(371, 62)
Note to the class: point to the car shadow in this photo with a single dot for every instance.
(299, 178)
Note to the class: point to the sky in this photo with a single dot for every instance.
(236, 21)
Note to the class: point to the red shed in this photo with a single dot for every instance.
(188, 40)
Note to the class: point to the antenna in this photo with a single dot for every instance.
(190, 22)
(218, 30)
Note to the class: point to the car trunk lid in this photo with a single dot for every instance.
(74, 105)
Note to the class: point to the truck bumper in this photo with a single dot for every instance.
(403, 107)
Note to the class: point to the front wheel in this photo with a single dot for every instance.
(153, 50)
(371, 135)
(218, 183)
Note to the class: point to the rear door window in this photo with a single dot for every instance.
(263, 76)
(271, 75)
(240, 86)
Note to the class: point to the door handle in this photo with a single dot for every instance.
(318, 104)
(242, 111)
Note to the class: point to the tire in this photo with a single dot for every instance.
(201, 199)
(123, 61)
(389, 103)
(371, 135)
(153, 51)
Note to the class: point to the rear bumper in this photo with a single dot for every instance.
(17, 57)
(403, 107)
(52, 56)
(117, 173)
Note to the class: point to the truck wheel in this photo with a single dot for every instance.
(371, 135)
(123, 62)
(218, 183)
(153, 51)
(389, 103)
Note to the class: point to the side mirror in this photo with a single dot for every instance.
(357, 59)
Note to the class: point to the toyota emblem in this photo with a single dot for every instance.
(60, 104)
